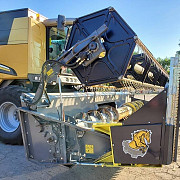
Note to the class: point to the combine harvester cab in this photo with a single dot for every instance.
(131, 125)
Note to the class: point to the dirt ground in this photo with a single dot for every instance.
(14, 165)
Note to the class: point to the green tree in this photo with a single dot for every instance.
(178, 52)
(165, 63)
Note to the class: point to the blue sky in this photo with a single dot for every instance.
(156, 22)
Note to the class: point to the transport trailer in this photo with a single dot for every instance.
(132, 121)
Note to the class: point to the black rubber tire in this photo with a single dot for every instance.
(11, 94)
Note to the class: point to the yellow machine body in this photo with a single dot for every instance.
(25, 46)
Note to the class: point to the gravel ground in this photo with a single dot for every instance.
(14, 165)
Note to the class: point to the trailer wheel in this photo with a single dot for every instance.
(10, 130)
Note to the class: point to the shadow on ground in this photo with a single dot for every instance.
(14, 165)
(88, 173)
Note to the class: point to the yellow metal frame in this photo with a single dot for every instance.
(107, 159)
(106, 128)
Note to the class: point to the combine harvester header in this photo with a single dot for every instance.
(130, 125)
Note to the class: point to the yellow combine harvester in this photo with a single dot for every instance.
(27, 39)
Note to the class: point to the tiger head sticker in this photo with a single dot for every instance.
(139, 144)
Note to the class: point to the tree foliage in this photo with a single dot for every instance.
(165, 63)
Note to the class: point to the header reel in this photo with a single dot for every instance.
(102, 48)
(121, 60)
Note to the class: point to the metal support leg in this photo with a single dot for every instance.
(63, 132)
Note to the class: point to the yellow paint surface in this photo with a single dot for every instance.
(15, 56)
(37, 46)
(19, 31)
(26, 48)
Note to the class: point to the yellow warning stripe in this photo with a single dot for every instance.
(4, 69)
